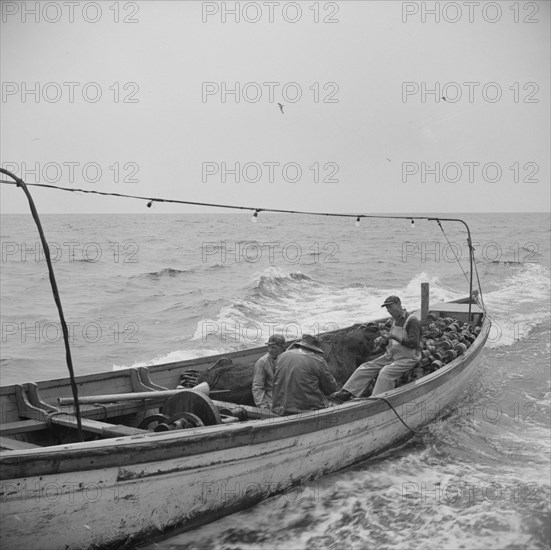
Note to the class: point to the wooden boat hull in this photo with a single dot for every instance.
(112, 492)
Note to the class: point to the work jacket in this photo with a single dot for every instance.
(263, 381)
(302, 382)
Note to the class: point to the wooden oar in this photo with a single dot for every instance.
(114, 397)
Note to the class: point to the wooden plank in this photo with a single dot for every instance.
(101, 428)
(69, 421)
(424, 302)
(103, 412)
(22, 426)
(120, 397)
(15, 445)
(252, 412)
(118, 430)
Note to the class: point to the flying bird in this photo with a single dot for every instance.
(280, 107)
(388, 159)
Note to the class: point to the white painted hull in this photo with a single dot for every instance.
(150, 484)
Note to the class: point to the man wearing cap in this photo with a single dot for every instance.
(264, 370)
(302, 380)
(402, 354)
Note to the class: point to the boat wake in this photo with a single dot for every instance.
(518, 303)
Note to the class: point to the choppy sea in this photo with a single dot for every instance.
(142, 289)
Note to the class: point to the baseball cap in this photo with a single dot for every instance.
(276, 339)
(391, 300)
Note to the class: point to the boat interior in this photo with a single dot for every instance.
(112, 404)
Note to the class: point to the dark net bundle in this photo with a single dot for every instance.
(234, 376)
(344, 350)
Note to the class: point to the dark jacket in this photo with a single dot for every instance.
(302, 380)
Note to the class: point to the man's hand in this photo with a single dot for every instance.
(381, 341)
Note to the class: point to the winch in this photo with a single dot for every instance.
(191, 408)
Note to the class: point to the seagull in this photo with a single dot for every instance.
(281, 108)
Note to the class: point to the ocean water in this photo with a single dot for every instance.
(141, 289)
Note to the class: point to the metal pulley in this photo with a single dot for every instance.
(191, 409)
(155, 423)
(194, 402)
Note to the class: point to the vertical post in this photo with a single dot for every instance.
(424, 302)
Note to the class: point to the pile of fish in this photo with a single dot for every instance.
(443, 340)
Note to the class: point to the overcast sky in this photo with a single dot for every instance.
(136, 98)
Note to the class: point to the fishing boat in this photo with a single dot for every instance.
(112, 459)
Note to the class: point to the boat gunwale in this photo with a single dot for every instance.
(107, 375)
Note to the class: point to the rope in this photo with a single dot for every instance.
(478, 281)
(151, 200)
(422, 431)
(449, 244)
(20, 183)
(50, 415)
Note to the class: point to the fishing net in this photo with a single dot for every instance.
(344, 351)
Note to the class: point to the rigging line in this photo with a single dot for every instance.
(449, 244)
(151, 200)
(214, 205)
(178, 201)
(20, 183)
(421, 431)
(478, 280)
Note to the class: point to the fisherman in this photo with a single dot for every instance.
(264, 370)
(402, 353)
(302, 379)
